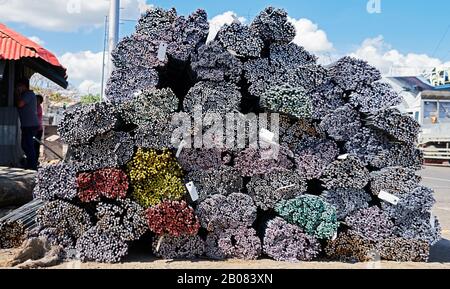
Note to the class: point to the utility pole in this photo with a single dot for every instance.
(105, 43)
(113, 35)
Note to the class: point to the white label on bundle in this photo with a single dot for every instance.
(162, 51)
(192, 191)
(137, 93)
(390, 198)
(343, 157)
(159, 243)
(266, 136)
(432, 220)
(232, 52)
(285, 188)
(116, 148)
(334, 236)
(183, 143)
(52, 138)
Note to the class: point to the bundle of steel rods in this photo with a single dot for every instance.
(15, 226)
(371, 223)
(240, 39)
(155, 177)
(214, 63)
(108, 183)
(312, 156)
(375, 97)
(401, 127)
(347, 200)
(253, 161)
(213, 97)
(63, 223)
(352, 74)
(292, 101)
(267, 190)
(225, 180)
(172, 218)
(82, 123)
(219, 211)
(124, 218)
(114, 149)
(182, 247)
(233, 243)
(311, 213)
(347, 173)
(286, 242)
(350, 246)
(56, 182)
(333, 176)
(342, 123)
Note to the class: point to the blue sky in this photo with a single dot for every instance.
(405, 33)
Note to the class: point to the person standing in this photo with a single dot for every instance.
(40, 132)
(26, 103)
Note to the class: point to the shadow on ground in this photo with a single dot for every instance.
(440, 252)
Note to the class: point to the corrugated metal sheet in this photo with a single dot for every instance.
(10, 49)
(14, 46)
(10, 151)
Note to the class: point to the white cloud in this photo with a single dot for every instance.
(308, 33)
(84, 69)
(391, 61)
(65, 15)
(89, 87)
(220, 20)
(310, 36)
(37, 40)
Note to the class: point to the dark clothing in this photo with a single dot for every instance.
(29, 114)
(28, 147)
(37, 146)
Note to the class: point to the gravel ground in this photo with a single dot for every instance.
(435, 177)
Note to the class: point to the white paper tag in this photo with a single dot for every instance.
(343, 157)
(285, 188)
(159, 243)
(235, 19)
(232, 52)
(52, 138)
(116, 148)
(432, 220)
(192, 191)
(334, 236)
(162, 51)
(182, 144)
(266, 136)
(390, 198)
(137, 93)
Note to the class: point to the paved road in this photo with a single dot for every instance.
(438, 178)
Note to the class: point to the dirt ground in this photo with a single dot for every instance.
(140, 262)
(436, 177)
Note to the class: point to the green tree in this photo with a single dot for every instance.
(90, 98)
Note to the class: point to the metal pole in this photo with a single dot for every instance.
(47, 147)
(105, 41)
(113, 35)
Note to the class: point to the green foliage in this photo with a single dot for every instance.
(311, 213)
(90, 99)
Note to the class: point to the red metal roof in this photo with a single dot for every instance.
(14, 46)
